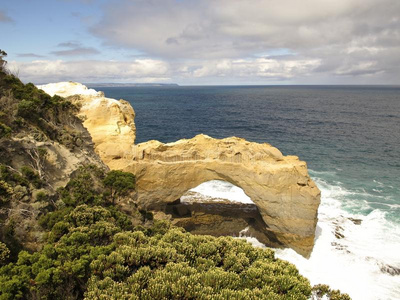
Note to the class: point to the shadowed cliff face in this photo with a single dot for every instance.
(285, 196)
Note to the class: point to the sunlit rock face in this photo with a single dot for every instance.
(280, 187)
(286, 198)
(110, 122)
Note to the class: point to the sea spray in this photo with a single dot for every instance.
(355, 253)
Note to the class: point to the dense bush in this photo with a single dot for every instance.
(119, 183)
(25, 108)
(96, 259)
(4, 252)
(93, 251)
(5, 131)
(178, 265)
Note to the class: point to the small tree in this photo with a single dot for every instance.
(120, 183)
(4, 252)
(2, 61)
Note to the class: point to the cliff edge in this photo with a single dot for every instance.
(110, 122)
(286, 197)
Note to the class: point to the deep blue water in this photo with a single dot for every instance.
(348, 135)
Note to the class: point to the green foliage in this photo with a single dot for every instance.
(120, 183)
(6, 191)
(321, 290)
(2, 61)
(41, 197)
(28, 109)
(30, 175)
(146, 215)
(5, 131)
(8, 238)
(93, 252)
(172, 264)
(85, 187)
(11, 177)
(4, 252)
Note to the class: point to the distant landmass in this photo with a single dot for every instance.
(92, 85)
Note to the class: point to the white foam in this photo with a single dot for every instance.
(352, 263)
(218, 189)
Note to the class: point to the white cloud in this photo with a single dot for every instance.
(260, 67)
(150, 70)
(44, 71)
(327, 38)
(237, 41)
(237, 28)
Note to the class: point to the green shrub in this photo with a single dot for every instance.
(41, 196)
(28, 109)
(321, 290)
(31, 176)
(11, 177)
(93, 252)
(4, 252)
(119, 183)
(5, 131)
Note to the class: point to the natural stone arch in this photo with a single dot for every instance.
(279, 185)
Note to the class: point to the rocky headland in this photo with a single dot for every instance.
(71, 228)
(285, 197)
(110, 122)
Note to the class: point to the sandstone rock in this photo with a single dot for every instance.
(110, 122)
(280, 186)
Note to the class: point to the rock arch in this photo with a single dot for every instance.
(279, 185)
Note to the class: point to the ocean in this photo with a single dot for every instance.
(348, 135)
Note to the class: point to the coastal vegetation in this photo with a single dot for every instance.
(86, 246)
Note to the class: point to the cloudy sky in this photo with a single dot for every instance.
(203, 41)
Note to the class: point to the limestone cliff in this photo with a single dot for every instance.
(286, 197)
(110, 122)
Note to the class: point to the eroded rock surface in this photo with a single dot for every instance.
(110, 122)
(279, 185)
(286, 197)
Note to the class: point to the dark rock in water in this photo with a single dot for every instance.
(356, 221)
(340, 247)
(391, 270)
(216, 216)
(338, 232)
(338, 235)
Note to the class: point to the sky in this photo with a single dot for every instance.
(203, 42)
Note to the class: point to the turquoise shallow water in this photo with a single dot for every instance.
(348, 135)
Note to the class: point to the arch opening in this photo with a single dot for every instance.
(219, 208)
